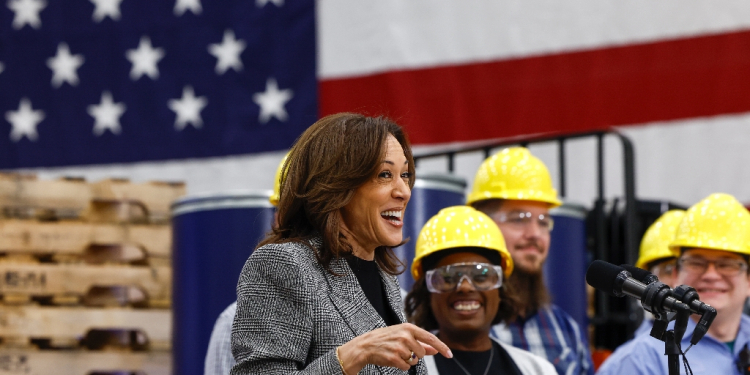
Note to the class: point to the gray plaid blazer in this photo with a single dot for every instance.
(292, 313)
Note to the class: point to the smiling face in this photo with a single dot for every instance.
(464, 311)
(725, 293)
(528, 244)
(374, 216)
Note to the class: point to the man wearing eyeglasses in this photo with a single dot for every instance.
(514, 188)
(713, 245)
(656, 257)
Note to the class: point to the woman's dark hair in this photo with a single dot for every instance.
(327, 163)
(417, 302)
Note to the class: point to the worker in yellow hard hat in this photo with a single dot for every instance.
(219, 359)
(514, 188)
(712, 242)
(460, 266)
(655, 255)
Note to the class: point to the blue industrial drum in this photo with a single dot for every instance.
(213, 235)
(565, 269)
(431, 193)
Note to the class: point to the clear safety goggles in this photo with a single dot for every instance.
(481, 276)
(522, 220)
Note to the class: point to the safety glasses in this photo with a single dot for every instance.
(481, 276)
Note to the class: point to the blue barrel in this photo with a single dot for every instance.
(565, 269)
(213, 235)
(431, 193)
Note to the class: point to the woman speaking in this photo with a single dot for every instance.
(319, 295)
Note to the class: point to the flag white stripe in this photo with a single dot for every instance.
(358, 38)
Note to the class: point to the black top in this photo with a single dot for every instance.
(476, 362)
(369, 279)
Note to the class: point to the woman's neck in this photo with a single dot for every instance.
(362, 254)
(467, 341)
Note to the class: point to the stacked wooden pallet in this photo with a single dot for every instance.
(85, 276)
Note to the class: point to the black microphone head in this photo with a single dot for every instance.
(640, 274)
(603, 276)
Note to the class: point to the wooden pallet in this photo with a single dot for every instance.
(90, 285)
(65, 326)
(154, 197)
(111, 200)
(79, 362)
(25, 195)
(76, 237)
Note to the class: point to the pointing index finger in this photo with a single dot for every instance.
(432, 340)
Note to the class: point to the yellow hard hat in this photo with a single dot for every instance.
(656, 240)
(274, 199)
(718, 222)
(459, 226)
(513, 173)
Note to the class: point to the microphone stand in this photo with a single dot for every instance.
(672, 337)
(653, 302)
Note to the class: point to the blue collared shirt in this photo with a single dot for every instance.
(644, 355)
(552, 334)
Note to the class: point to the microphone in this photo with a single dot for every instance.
(640, 274)
(688, 295)
(615, 280)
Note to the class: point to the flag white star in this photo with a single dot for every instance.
(228, 53)
(106, 114)
(106, 8)
(188, 109)
(272, 101)
(262, 3)
(181, 6)
(144, 59)
(24, 121)
(26, 12)
(64, 66)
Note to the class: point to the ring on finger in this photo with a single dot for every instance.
(411, 357)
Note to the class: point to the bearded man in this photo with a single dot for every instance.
(514, 188)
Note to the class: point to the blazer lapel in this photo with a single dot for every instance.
(350, 300)
(393, 291)
(395, 299)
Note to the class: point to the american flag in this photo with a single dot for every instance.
(117, 81)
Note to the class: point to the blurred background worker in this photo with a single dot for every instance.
(219, 358)
(656, 257)
(514, 188)
(713, 244)
(460, 267)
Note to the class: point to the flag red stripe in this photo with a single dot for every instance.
(576, 91)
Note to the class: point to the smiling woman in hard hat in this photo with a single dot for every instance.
(460, 267)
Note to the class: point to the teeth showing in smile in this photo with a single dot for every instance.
(466, 305)
(392, 216)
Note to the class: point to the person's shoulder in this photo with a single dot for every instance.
(561, 315)
(285, 252)
(286, 264)
(229, 311)
(642, 354)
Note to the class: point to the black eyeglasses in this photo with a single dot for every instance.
(726, 267)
